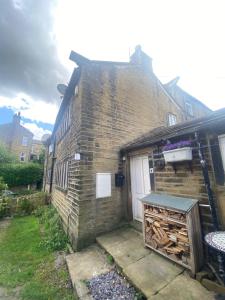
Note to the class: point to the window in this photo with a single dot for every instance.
(222, 148)
(25, 141)
(61, 174)
(172, 119)
(22, 156)
(189, 109)
(65, 123)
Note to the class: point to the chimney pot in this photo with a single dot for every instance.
(16, 118)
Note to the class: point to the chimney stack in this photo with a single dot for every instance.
(142, 59)
(16, 119)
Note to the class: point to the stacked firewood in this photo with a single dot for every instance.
(166, 231)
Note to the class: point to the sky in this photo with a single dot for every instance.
(183, 37)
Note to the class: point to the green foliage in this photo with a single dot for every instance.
(3, 185)
(21, 206)
(4, 208)
(26, 265)
(110, 259)
(5, 155)
(24, 206)
(55, 237)
(41, 158)
(21, 173)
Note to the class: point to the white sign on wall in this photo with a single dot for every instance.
(103, 185)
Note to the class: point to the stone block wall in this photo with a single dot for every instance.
(119, 103)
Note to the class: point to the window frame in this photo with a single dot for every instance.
(22, 155)
(169, 119)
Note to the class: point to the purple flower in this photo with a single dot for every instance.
(177, 145)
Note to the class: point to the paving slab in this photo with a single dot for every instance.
(154, 275)
(151, 273)
(185, 288)
(85, 265)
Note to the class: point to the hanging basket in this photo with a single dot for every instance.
(179, 154)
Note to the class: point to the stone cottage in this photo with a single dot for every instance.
(17, 138)
(106, 105)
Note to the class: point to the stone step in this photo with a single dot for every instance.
(83, 266)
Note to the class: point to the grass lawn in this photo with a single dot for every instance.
(24, 263)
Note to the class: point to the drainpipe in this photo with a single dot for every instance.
(211, 200)
(52, 168)
(207, 184)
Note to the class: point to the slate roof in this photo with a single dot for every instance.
(216, 118)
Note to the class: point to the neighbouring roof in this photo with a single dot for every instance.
(173, 85)
(9, 126)
(216, 118)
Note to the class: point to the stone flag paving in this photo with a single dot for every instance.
(152, 274)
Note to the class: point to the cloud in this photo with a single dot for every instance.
(29, 61)
(36, 130)
(35, 110)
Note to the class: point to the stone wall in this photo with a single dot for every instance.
(119, 103)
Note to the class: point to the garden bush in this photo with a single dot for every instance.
(3, 185)
(19, 174)
(24, 205)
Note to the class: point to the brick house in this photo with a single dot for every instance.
(106, 105)
(181, 179)
(17, 138)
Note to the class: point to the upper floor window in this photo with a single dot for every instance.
(189, 108)
(22, 156)
(172, 119)
(222, 148)
(25, 141)
(65, 123)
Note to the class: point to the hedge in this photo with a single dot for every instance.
(17, 174)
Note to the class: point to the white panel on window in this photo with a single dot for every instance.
(103, 185)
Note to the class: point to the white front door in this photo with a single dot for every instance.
(140, 184)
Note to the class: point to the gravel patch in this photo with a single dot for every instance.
(111, 286)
